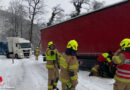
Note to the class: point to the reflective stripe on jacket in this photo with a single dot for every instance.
(49, 56)
(123, 71)
(68, 64)
(52, 60)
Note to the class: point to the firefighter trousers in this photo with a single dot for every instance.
(53, 77)
(121, 86)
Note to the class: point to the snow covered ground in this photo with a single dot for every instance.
(28, 74)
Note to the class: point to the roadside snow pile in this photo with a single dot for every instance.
(28, 74)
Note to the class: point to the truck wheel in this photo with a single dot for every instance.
(16, 56)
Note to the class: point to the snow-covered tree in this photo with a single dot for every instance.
(35, 7)
(97, 5)
(56, 15)
(78, 6)
(17, 14)
(87, 5)
(0, 5)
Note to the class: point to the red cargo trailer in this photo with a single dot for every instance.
(96, 32)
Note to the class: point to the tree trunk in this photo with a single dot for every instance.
(21, 28)
(31, 29)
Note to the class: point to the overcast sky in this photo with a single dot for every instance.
(65, 4)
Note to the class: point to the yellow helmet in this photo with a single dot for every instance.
(73, 44)
(50, 43)
(37, 47)
(125, 43)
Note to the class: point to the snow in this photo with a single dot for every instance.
(28, 74)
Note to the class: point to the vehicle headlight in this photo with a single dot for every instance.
(21, 53)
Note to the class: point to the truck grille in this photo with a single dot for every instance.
(26, 54)
(26, 51)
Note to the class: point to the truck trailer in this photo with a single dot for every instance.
(96, 32)
(18, 47)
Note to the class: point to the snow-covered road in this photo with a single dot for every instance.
(28, 74)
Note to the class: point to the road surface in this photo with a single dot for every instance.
(28, 74)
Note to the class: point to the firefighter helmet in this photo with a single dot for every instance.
(125, 43)
(50, 43)
(73, 44)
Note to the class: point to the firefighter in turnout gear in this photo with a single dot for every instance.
(69, 67)
(52, 58)
(95, 70)
(37, 52)
(122, 59)
(106, 67)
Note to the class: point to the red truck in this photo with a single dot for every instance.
(96, 32)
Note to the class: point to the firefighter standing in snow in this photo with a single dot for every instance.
(37, 52)
(52, 65)
(69, 67)
(122, 58)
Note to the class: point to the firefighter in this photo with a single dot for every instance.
(106, 66)
(95, 70)
(52, 65)
(37, 52)
(122, 59)
(69, 67)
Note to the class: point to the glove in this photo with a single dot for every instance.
(52, 53)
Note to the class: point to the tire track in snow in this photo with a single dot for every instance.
(34, 76)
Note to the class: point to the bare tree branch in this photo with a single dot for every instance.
(34, 8)
(56, 11)
(18, 13)
(78, 6)
(90, 5)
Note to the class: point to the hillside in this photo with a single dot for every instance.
(7, 30)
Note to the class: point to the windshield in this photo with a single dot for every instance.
(25, 45)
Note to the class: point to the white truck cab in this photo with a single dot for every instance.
(19, 47)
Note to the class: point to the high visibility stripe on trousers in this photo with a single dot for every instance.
(50, 87)
(49, 66)
(122, 79)
(66, 81)
(55, 84)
